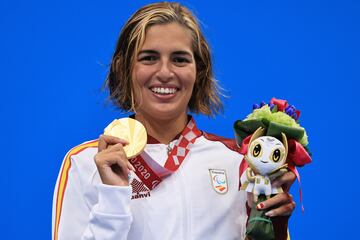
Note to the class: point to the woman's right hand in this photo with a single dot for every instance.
(111, 161)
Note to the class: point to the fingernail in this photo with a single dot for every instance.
(260, 206)
(269, 214)
(129, 177)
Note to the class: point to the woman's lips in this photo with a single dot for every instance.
(164, 93)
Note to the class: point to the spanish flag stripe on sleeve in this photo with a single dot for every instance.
(63, 181)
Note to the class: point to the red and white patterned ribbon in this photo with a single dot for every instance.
(151, 173)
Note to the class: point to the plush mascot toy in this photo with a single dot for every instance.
(272, 142)
(266, 158)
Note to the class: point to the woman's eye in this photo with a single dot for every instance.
(276, 155)
(148, 59)
(180, 60)
(257, 150)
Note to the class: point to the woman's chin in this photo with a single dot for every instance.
(163, 112)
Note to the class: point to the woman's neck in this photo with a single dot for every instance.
(163, 130)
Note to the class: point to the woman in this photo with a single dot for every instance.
(161, 70)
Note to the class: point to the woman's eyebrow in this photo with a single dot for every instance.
(148, 51)
(182, 53)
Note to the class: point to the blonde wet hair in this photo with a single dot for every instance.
(205, 97)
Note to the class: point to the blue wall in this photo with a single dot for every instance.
(54, 57)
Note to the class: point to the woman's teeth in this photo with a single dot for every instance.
(161, 90)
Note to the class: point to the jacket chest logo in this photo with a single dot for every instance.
(219, 180)
(139, 190)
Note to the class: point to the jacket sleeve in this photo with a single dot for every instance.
(82, 210)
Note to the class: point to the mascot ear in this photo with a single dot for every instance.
(258, 133)
(284, 141)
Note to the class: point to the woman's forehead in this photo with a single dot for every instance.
(171, 36)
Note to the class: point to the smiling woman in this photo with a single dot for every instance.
(205, 95)
(185, 181)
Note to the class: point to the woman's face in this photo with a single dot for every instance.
(164, 72)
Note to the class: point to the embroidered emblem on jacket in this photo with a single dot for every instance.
(219, 180)
(139, 190)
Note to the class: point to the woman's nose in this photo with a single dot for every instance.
(165, 72)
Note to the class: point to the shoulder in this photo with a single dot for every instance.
(227, 142)
(82, 150)
(81, 156)
(93, 144)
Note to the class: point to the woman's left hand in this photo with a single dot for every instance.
(282, 204)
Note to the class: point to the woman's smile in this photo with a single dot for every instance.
(164, 90)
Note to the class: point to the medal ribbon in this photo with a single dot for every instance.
(151, 176)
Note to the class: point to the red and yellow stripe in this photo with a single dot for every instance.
(63, 180)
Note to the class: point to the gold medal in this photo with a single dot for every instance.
(130, 130)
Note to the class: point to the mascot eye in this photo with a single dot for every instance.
(276, 155)
(257, 150)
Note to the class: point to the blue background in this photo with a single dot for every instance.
(54, 57)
